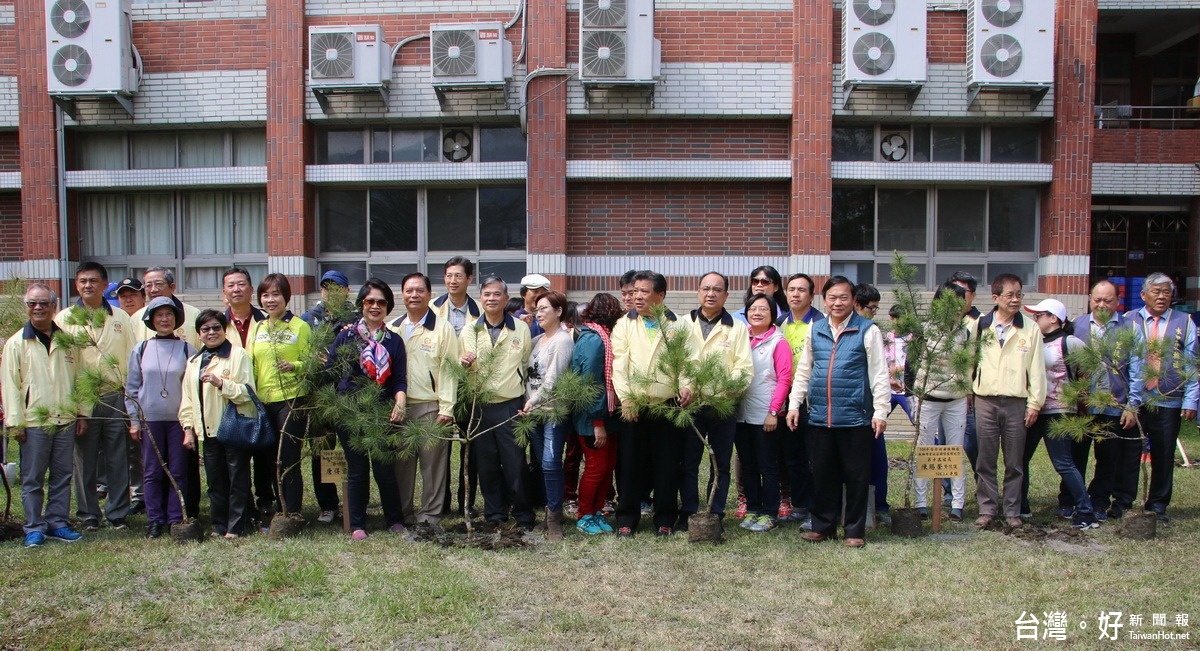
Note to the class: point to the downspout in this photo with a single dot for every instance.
(60, 181)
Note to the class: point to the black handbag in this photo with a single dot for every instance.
(255, 432)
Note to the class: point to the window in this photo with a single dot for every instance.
(985, 231)
(924, 143)
(854, 143)
(199, 232)
(1016, 144)
(390, 232)
(384, 145)
(107, 150)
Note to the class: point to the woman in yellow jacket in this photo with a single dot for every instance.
(278, 346)
(216, 376)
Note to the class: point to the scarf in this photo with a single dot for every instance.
(374, 358)
(608, 364)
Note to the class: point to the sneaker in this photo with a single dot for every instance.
(647, 509)
(663, 532)
(397, 528)
(609, 508)
(1027, 515)
(1084, 521)
(1064, 513)
(64, 534)
(136, 507)
(799, 514)
(785, 509)
(358, 534)
(740, 512)
(571, 508)
(1100, 516)
(747, 522)
(90, 525)
(763, 523)
(326, 517)
(806, 525)
(956, 515)
(924, 512)
(118, 524)
(34, 539)
(625, 532)
(587, 524)
(602, 522)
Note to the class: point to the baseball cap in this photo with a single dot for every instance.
(1049, 305)
(128, 283)
(535, 281)
(335, 277)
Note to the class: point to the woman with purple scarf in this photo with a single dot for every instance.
(380, 356)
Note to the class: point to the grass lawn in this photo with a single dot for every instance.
(115, 589)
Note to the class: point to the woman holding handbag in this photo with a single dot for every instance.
(217, 376)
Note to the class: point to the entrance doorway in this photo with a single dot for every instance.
(1130, 242)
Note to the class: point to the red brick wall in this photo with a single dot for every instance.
(8, 50)
(10, 152)
(39, 200)
(546, 189)
(812, 128)
(290, 224)
(947, 40)
(1066, 208)
(182, 45)
(1146, 146)
(10, 226)
(678, 139)
(714, 219)
(693, 36)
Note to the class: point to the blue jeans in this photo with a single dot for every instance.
(546, 442)
(879, 473)
(1062, 455)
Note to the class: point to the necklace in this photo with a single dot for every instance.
(161, 371)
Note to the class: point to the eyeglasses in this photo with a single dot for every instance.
(155, 283)
(33, 304)
(212, 327)
(374, 302)
(710, 289)
(871, 308)
(1008, 296)
(761, 281)
(757, 309)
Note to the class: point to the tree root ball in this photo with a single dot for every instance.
(704, 528)
(285, 526)
(1138, 526)
(907, 523)
(187, 532)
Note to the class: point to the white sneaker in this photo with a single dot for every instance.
(326, 517)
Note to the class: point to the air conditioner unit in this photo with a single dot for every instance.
(469, 54)
(1011, 42)
(884, 41)
(895, 146)
(354, 56)
(89, 49)
(616, 42)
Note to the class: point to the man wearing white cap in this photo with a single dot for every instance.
(533, 287)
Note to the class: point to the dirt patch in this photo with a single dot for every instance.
(10, 530)
(484, 536)
(187, 532)
(704, 528)
(285, 526)
(907, 523)
(1060, 539)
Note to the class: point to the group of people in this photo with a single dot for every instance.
(808, 431)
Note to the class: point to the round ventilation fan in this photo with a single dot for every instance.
(454, 53)
(893, 147)
(874, 53)
(70, 18)
(72, 65)
(331, 55)
(1003, 13)
(874, 12)
(1000, 55)
(456, 146)
(603, 13)
(603, 54)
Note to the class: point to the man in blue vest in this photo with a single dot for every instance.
(843, 373)
(1170, 384)
(1117, 459)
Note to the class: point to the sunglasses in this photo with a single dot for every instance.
(760, 281)
(215, 327)
(374, 302)
(33, 304)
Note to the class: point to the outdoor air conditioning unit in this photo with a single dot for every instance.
(348, 57)
(1011, 42)
(469, 54)
(884, 41)
(89, 49)
(616, 42)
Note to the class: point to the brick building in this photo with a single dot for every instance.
(752, 146)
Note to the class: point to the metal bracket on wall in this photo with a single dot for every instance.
(589, 87)
(67, 102)
(322, 95)
(912, 90)
(1036, 93)
(442, 91)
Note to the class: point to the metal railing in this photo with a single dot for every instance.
(1125, 116)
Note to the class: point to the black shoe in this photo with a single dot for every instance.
(118, 524)
(137, 507)
(154, 530)
(90, 524)
(1116, 512)
(1162, 516)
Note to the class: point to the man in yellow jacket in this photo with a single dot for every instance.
(431, 343)
(38, 374)
(1009, 387)
(637, 342)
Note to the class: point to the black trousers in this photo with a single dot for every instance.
(358, 486)
(841, 456)
(1162, 428)
(1118, 462)
(501, 464)
(290, 425)
(795, 464)
(327, 494)
(660, 442)
(228, 472)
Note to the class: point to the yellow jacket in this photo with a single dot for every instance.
(432, 345)
(1016, 370)
(233, 366)
(268, 343)
(186, 331)
(116, 337)
(441, 307)
(634, 351)
(729, 339)
(512, 347)
(33, 377)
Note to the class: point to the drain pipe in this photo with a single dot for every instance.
(60, 181)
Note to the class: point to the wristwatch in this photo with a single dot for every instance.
(772, 412)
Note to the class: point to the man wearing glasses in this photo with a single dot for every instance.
(38, 375)
(160, 281)
(1009, 387)
(1170, 384)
